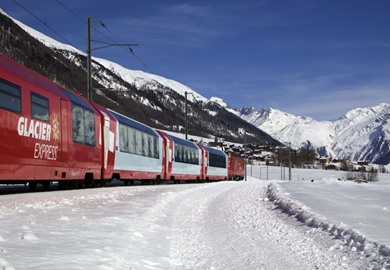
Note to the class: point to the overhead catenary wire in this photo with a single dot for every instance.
(44, 23)
(130, 50)
(127, 50)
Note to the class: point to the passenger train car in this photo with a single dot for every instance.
(48, 133)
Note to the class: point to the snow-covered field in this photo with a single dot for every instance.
(257, 224)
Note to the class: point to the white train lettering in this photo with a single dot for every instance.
(34, 129)
(44, 151)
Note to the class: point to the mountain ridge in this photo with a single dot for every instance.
(148, 98)
(359, 134)
(362, 133)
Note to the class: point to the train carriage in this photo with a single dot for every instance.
(138, 151)
(215, 164)
(236, 167)
(47, 133)
(182, 159)
(108, 134)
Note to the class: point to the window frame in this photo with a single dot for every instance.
(32, 103)
(138, 142)
(186, 154)
(85, 119)
(17, 96)
(218, 161)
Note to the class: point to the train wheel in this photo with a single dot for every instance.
(45, 185)
(88, 182)
(158, 180)
(128, 182)
(61, 185)
(80, 184)
(32, 185)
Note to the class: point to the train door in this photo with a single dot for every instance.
(108, 137)
(64, 148)
(168, 144)
(169, 155)
(205, 163)
(164, 156)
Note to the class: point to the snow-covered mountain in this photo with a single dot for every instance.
(361, 134)
(154, 100)
(136, 77)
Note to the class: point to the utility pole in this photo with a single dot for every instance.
(89, 76)
(289, 161)
(186, 116)
(89, 54)
(242, 132)
(186, 111)
(245, 157)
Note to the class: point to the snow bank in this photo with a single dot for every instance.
(350, 239)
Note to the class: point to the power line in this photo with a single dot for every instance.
(130, 51)
(104, 35)
(85, 21)
(71, 11)
(110, 39)
(44, 23)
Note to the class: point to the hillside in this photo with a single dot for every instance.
(360, 134)
(151, 99)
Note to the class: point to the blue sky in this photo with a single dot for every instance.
(305, 57)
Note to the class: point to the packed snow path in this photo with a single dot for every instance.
(245, 232)
(227, 225)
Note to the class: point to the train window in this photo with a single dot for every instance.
(145, 146)
(192, 159)
(83, 125)
(89, 121)
(131, 134)
(123, 138)
(177, 153)
(196, 156)
(150, 146)
(217, 160)
(39, 107)
(136, 142)
(10, 96)
(186, 154)
(156, 148)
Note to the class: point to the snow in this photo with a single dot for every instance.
(48, 41)
(219, 101)
(254, 224)
(223, 104)
(140, 79)
(258, 224)
(361, 134)
(137, 77)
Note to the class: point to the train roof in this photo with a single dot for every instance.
(133, 123)
(214, 151)
(24, 74)
(180, 140)
(77, 99)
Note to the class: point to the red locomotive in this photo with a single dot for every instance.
(48, 133)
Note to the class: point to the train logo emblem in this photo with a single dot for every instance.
(41, 131)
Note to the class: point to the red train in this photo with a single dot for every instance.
(48, 133)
